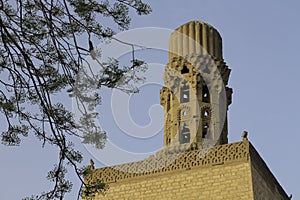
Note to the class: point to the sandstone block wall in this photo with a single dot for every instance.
(229, 172)
(217, 182)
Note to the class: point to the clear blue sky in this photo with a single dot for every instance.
(261, 46)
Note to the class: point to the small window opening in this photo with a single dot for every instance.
(206, 113)
(184, 113)
(184, 94)
(185, 138)
(184, 70)
(205, 94)
(185, 128)
(205, 131)
(185, 134)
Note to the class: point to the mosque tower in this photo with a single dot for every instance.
(195, 96)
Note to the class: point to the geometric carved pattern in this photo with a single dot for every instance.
(201, 68)
(172, 159)
(185, 111)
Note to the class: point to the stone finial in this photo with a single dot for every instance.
(245, 135)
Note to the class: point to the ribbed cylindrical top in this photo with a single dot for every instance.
(195, 38)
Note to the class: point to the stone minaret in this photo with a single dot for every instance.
(195, 96)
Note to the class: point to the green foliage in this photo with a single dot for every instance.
(11, 136)
(43, 52)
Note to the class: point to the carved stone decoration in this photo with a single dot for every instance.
(185, 111)
(168, 160)
(196, 77)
